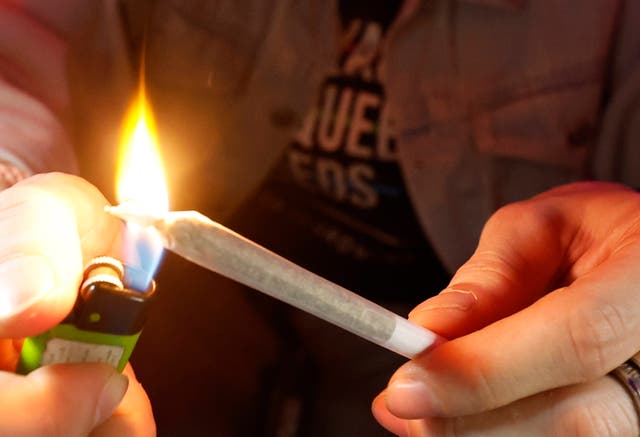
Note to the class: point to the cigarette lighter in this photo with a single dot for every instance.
(103, 326)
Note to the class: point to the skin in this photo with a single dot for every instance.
(543, 310)
(51, 225)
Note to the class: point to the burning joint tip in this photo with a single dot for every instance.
(131, 213)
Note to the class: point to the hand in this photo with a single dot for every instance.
(50, 224)
(538, 316)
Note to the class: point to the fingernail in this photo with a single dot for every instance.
(25, 279)
(407, 395)
(449, 299)
(408, 399)
(111, 395)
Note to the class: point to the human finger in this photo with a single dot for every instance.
(528, 249)
(133, 417)
(65, 400)
(384, 417)
(49, 223)
(9, 352)
(575, 334)
(599, 408)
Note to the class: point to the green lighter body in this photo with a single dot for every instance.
(104, 325)
(66, 343)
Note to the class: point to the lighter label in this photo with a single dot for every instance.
(60, 350)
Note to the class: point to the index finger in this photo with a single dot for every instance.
(49, 225)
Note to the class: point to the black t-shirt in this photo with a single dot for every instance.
(336, 202)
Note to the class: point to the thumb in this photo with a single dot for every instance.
(48, 224)
(62, 400)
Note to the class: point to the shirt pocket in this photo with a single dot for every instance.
(552, 127)
(208, 48)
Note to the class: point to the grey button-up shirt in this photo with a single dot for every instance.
(494, 100)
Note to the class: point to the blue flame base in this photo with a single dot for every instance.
(142, 254)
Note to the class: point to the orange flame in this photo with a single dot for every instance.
(140, 179)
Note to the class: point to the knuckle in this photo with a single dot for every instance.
(454, 427)
(490, 260)
(594, 331)
(487, 395)
(597, 419)
(495, 269)
(506, 213)
(534, 215)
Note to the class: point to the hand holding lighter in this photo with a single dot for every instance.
(103, 326)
